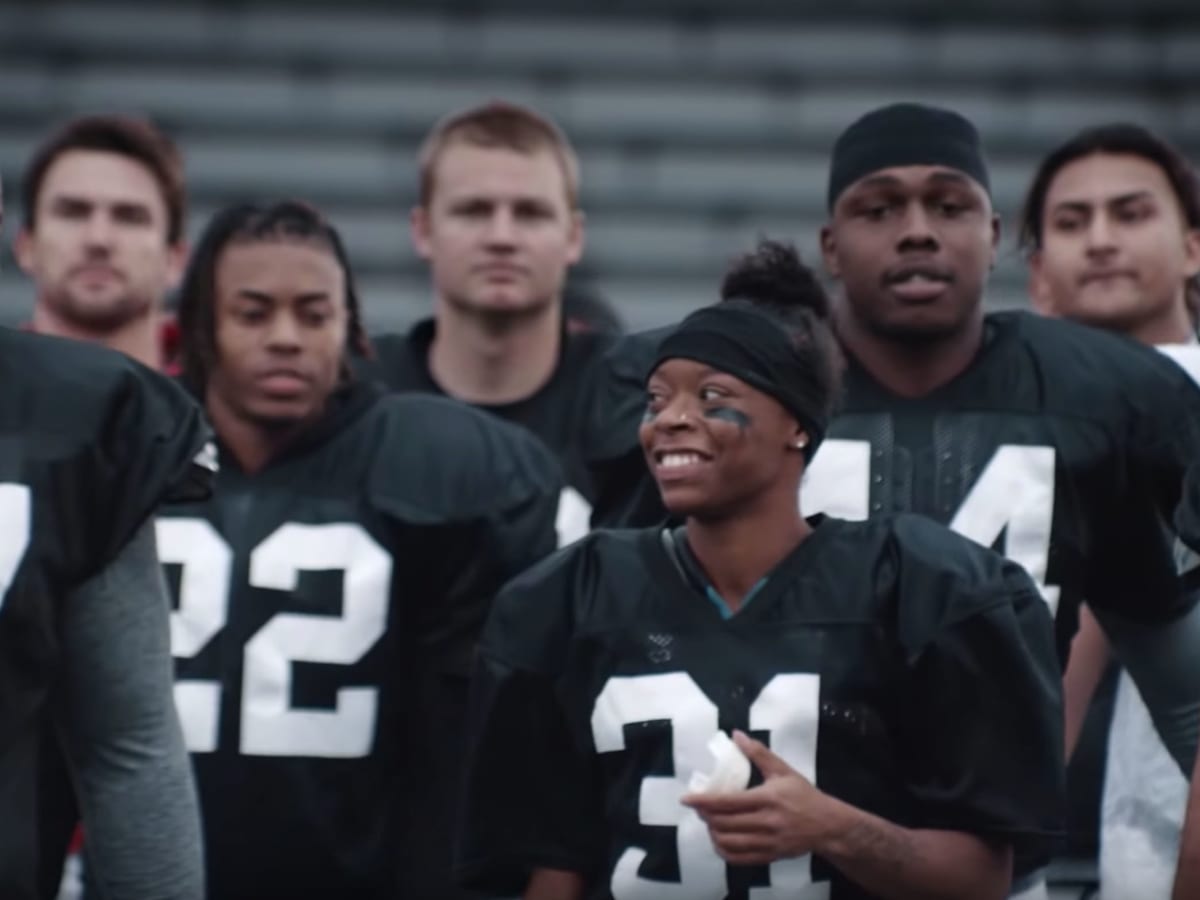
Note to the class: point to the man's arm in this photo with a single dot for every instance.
(117, 718)
(1165, 665)
(1089, 660)
(554, 884)
(1187, 876)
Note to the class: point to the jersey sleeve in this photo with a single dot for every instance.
(532, 796)
(982, 742)
(478, 499)
(154, 447)
(1187, 517)
(1134, 569)
(474, 502)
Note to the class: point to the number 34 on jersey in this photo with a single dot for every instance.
(1013, 499)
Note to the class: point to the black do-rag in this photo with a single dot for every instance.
(905, 134)
(749, 346)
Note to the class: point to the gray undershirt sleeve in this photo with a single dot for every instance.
(122, 736)
(1164, 662)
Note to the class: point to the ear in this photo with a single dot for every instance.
(1191, 252)
(829, 251)
(997, 233)
(420, 230)
(177, 257)
(1039, 290)
(577, 237)
(798, 440)
(23, 250)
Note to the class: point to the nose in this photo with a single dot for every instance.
(283, 336)
(680, 414)
(916, 229)
(98, 231)
(1100, 234)
(501, 228)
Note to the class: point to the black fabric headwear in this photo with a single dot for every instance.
(752, 347)
(905, 134)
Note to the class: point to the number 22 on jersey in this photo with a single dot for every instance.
(1013, 496)
(269, 724)
(15, 516)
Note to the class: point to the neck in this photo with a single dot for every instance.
(737, 552)
(490, 362)
(252, 444)
(910, 369)
(1175, 327)
(138, 338)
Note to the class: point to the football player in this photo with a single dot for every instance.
(105, 208)
(499, 223)
(1060, 445)
(102, 238)
(91, 443)
(329, 595)
(1112, 229)
(895, 685)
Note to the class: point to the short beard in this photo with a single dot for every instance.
(500, 320)
(113, 315)
(918, 335)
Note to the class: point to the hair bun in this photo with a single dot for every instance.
(773, 275)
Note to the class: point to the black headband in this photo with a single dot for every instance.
(753, 348)
(905, 134)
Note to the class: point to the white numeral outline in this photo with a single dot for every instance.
(16, 520)
(788, 707)
(573, 518)
(269, 725)
(1013, 496)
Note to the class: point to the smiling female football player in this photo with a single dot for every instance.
(894, 685)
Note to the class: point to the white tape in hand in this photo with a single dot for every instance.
(730, 773)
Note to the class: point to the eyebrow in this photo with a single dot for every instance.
(262, 297)
(1084, 205)
(119, 203)
(891, 181)
(531, 199)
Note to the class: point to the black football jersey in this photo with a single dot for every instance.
(327, 610)
(903, 669)
(90, 444)
(1061, 446)
(561, 413)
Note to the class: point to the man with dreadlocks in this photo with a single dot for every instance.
(330, 594)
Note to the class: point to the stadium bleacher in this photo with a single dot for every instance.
(699, 127)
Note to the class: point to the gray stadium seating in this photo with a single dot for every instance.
(698, 127)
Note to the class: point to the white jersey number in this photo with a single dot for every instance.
(788, 708)
(15, 518)
(1013, 496)
(574, 516)
(269, 724)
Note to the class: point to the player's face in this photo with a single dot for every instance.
(1116, 249)
(281, 322)
(499, 232)
(912, 247)
(714, 444)
(98, 252)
